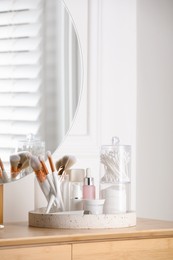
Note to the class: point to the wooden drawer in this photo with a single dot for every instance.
(144, 249)
(37, 253)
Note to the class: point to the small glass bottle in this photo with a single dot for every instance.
(76, 177)
(88, 187)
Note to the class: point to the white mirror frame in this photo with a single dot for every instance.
(82, 139)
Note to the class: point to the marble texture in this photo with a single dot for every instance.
(38, 218)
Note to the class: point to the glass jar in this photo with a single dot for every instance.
(32, 144)
(115, 177)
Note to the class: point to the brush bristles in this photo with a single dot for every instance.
(43, 165)
(14, 162)
(1, 165)
(37, 167)
(58, 164)
(65, 163)
(48, 154)
(35, 163)
(14, 158)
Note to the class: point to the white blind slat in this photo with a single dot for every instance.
(21, 41)
(29, 86)
(19, 114)
(14, 128)
(19, 100)
(22, 17)
(27, 30)
(19, 72)
(11, 45)
(20, 58)
(11, 5)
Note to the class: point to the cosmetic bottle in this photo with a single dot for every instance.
(76, 177)
(88, 186)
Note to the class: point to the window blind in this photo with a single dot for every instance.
(21, 41)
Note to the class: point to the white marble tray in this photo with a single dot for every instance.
(38, 218)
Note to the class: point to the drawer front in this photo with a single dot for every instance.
(37, 253)
(144, 249)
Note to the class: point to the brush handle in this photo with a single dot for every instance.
(52, 186)
(55, 180)
(52, 200)
(5, 176)
(65, 188)
(45, 187)
(57, 183)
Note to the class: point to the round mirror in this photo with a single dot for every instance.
(62, 73)
(40, 72)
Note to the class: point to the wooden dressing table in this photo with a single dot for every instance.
(149, 240)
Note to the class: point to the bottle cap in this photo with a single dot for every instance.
(76, 175)
(88, 180)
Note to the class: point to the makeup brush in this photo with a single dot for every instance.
(56, 180)
(53, 194)
(66, 163)
(41, 177)
(4, 175)
(55, 177)
(14, 162)
(61, 165)
(1, 168)
(24, 159)
(49, 156)
(48, 175)
(43, 182)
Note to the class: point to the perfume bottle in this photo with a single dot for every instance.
(88, 186)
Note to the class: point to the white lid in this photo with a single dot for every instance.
(76, 175)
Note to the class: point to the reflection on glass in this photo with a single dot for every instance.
(62, 74)
(40, 73)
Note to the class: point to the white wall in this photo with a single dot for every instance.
(155, 109)
(118, 70)
(108, 102)
(118, 75)
(107, 33)
(111, 83)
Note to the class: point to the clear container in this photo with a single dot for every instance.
(115, 177)
(33, 144)
(76, 177)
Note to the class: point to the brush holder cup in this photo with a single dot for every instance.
(115, 177)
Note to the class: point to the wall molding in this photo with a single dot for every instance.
(83, 139)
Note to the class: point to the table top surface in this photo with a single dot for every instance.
(17, 234)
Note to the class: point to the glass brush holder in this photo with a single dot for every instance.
(115, 177)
